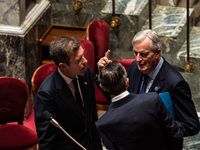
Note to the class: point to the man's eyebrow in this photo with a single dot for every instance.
(80, 58)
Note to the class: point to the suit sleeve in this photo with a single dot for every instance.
(96, 138)
(172, 128)
(45, 130)
(106, 95)
(106, 141)
(185, 111)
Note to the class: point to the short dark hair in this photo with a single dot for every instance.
(61, 47)
(113, 78)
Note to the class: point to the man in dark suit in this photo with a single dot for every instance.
(135, 121)
(57, 94)
(162, 77)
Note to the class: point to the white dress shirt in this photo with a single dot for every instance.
(120, 96)
(152, 75)
(71, 85)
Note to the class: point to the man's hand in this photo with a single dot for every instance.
(104, 61)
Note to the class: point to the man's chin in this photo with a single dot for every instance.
(83, 70)
(142, 69)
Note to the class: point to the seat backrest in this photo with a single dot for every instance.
(40, 74)
(89, 53)
(14, 94)
(125, 62)
(98, 33)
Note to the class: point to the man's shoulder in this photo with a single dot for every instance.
(88, 70)
(87, 75)
(146, 101)
(136, 102)
(170, 72)
(133, 65)
(133, 68)
(147, 96)
(50, 81)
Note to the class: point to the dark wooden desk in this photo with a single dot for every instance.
(53, 33)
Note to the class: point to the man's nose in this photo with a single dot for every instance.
(138, 57)
(84, 60)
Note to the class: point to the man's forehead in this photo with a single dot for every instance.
(141, 49)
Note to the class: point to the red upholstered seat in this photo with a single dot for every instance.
(40, 74)
(16, 137)
(125, 62)
(30, 122)
(100, 98)
(89, 53)
(14, 94)
(98, 33)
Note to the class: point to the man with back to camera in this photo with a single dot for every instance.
(57, 95)
(162, 77)
(135, 121)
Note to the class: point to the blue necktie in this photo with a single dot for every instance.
(144, 85)
(77, 93)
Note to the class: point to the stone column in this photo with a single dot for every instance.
(20, 32)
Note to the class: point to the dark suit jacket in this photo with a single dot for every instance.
(140, 122)
(55, 96)
(169, 79)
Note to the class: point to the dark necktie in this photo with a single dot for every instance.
(77, 93)
(144, 85)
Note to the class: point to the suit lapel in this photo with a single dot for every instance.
(135, 81)
(83, 86)
(138, 82)
(159, 80)
(66, 96)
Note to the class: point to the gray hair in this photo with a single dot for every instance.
(60, 48)
(156, 42)
(113, 78)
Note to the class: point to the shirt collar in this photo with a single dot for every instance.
(120, 96)
(67, 79)
(154, 72)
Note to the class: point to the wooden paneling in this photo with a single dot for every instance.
(53, 33)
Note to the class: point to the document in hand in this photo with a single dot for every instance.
(168, 102)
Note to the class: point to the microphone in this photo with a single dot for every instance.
(49, 116)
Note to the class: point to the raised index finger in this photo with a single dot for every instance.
(107, 54)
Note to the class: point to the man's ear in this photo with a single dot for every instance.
(127, 83)
(62, 65)
(158, 53)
